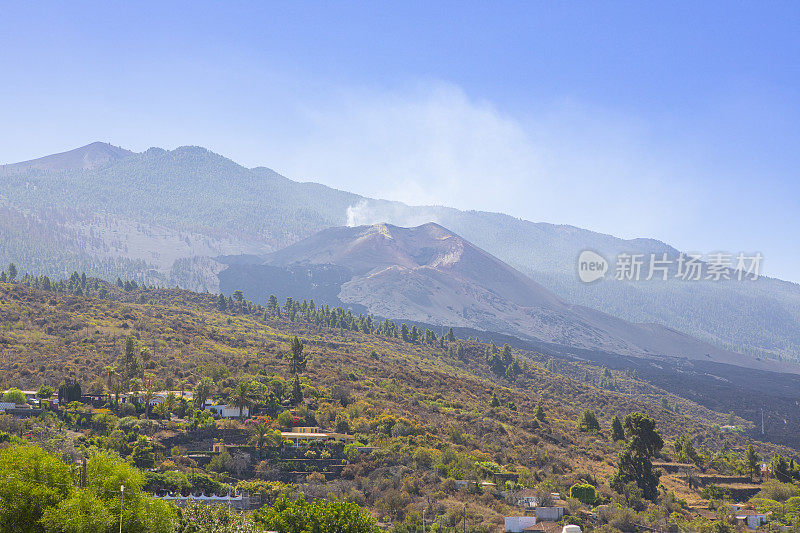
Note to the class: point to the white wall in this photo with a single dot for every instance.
(515, 524)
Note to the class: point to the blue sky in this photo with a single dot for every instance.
(678, 121)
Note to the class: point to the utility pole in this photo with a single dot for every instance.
(423, 521)
(121, 500)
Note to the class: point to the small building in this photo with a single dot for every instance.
(224, 411)
(466, 483)
(752, 519)
(549, 514)
(526, 498)
(518, 524)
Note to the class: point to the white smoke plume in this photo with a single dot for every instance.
(368, 212)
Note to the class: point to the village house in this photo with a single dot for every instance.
(549, 514)
(465, 483)
(526, 498)
(224, 411)
(752, 519)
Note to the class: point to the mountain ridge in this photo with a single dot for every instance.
(162, 217)
(85, 157)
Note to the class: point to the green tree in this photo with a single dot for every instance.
(495, 401)
(145, 356)
(585, 493)
(297, 361)
(684, 448)
(751, 460)
(301, 516)
(12, 272)
(201, 518)
(45, 392)
(130, 363)
(587, 421)
(617, 433)
(151, 386)
(272, 306)
(636, 459)
(32, 482)
(297, 391)
(106, 472)
(779, 467)
(538, 413)
(202, 392)
(15, 396)
(242, 396)
(82, 512)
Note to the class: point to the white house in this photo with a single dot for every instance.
(526, 498)
(753, 519)
(224, 411)
(518, 524)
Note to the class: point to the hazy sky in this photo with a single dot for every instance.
(678, 121)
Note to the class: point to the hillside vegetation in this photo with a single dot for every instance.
(427, 411)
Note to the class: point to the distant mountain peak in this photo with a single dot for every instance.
(87, 157)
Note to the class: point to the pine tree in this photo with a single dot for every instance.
(587, 421)
(495, 401)
(129, 361)
(12, 272)
(636, 460)
(297, 360)
(617, 433)
(751, 460)
(297, 392)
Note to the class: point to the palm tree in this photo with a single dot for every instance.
(117, 387)
(145, 355)
(263, 436)
(202, 392)
(169, 403)
(241, 396)
(150, 389)
(110, 371)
